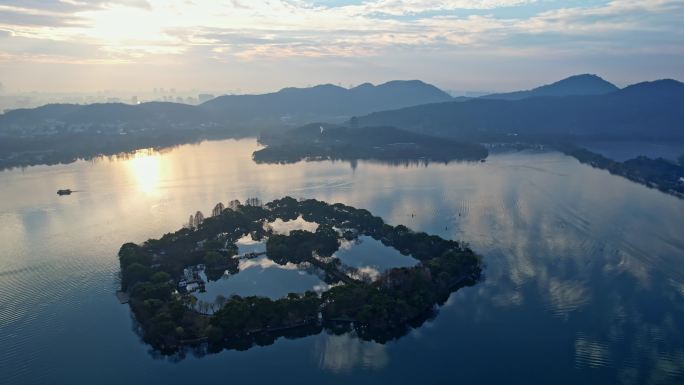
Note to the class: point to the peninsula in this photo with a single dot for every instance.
(327, 141)
(662, 174)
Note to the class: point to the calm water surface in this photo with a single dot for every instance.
(371, 257)
(584, 279)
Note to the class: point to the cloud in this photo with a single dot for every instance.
(381, 33)
(12, 17)
(296, 28)
(415, 7)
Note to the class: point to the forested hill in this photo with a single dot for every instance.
(653, 110)
(585, 84)
(325, 102)
(244, 114)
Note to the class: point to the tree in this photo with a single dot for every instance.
(160, 277)
(256, 202)
(135, 272)
(131, 253)
(220, 301)
(199, 218)
(214, 334)
(218, 209)
(213, 258)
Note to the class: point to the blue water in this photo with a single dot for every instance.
(371, 256)
(584, 278)
(261, 276)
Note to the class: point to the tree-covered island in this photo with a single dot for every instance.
(662, 174)
(387, 144)
(379, 309)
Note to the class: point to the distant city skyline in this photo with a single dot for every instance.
(261, 46)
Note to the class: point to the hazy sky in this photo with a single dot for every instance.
(261, 45)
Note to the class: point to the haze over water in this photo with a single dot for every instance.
(584, 281)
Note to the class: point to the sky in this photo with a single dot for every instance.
(252, 46)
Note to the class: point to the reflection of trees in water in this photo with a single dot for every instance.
(341, 353)
(354, 163)
(338, 351)
(343, 348)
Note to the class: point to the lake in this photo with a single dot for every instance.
(584, 280)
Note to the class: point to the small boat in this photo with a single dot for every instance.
(64, 192)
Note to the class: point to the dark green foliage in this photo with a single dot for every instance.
(298, 246)
(384, 309)
(212, 244)
(213, 258)
(318, 141)
(246, 315)
(381, 310)
(160, 277)
(133, 274)
(658, 173)
(151, 290)
(131, 253)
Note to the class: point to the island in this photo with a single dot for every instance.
(155, 277)
(662, 174)
(389, 144)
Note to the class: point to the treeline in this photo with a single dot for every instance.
(64, 148)
(659, 173)
(401, 298)
(319, 142)
(379, 310)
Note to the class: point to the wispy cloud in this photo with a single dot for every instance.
(128, 31)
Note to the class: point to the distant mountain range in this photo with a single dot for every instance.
(250, 114)
(242, 113)
(330, 103)
(581, 107)
(585, 84)
(653, 110)
(103, 117)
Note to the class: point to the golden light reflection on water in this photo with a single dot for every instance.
(145, 168)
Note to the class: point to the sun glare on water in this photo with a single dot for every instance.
(145, 167)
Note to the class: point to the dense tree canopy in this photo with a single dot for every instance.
(380, 310)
